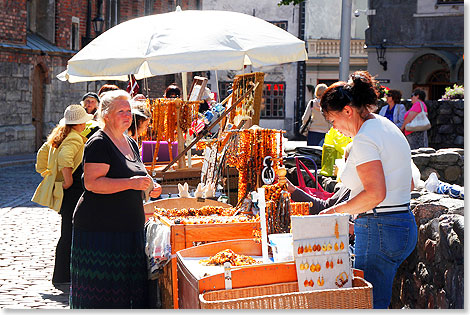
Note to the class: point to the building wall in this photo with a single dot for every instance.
(419, 27)
(267, 10)
(323, 19)
(13, 22)
(53, 21)
(323, 22)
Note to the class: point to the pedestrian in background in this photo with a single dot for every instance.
(108, 264)
(90, 102)
(172, 91)
(59, 161)
(107, 88)
(395, 111)
(416, 139)
(378, 172)
(140, 120)
(318, 126)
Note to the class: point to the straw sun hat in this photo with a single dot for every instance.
(74, 115)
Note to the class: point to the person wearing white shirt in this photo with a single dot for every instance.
(378, 172)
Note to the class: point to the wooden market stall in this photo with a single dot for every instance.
(183, 236)
(272, 285)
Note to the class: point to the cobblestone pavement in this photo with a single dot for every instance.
(29, 234)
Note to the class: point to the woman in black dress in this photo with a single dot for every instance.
(109, 268)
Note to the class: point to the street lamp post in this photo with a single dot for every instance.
(345, 41)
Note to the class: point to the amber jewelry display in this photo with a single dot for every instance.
(253, 145)
(227, 255)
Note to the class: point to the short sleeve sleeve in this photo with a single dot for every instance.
(97, 151)
(364, 150)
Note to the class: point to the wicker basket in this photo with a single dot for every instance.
(286, 296)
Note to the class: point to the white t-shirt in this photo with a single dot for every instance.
(380, 139)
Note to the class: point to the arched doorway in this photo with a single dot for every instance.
(39, 81)
(438, 81)
(430, 73)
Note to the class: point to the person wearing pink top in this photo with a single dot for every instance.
(416, 139)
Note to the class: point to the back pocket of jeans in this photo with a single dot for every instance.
(393, 239)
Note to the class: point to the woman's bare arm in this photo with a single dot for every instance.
(68, 179)
(96, 181)
(372, 177)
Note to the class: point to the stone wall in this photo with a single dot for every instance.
(447, 163)
(433, 275)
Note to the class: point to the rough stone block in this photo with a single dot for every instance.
(22, 85)
(456, 120)
(446, 129)
(13, 95)
(447, 157)
(423, 150)
(421, 159)
(441, 300)
(452, 173)
(427, 171)
(444, 119)
(445, 110)
(459, 105)
(430, 249)
(459, 112)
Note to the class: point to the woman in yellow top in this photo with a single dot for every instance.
(60, 157)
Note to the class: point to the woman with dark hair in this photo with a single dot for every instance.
(172, 91)
(378, 172)
(107, 88)
(140, 121)
(416, 139)
(395, 112)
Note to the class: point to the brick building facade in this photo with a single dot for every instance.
(36, 39)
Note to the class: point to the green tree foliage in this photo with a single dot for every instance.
(287, 2)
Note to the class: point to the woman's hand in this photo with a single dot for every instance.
(141, 182)
(156, 191)
(330, 210)
(68, 178)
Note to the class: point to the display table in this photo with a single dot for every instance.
(184, 236)
(194, 280)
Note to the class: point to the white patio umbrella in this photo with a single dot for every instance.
(183, 41)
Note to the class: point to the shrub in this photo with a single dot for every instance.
(454, 93)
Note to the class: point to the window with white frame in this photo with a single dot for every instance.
(75, 34)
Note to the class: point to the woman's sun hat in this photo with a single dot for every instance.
(75, 115)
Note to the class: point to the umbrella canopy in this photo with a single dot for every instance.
(183, 41)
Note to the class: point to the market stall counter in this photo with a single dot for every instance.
(184, 234)
(256, 286)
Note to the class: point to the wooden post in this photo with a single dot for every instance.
(181, 161)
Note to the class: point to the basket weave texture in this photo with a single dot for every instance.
(286, 296)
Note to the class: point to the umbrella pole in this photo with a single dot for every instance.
(217, 86)
(184, 84)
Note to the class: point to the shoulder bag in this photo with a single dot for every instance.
(304, 127)
(315, 192)
(420, 122)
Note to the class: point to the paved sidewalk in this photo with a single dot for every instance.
(29, 234)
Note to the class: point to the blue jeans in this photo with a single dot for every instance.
(315, 138)
(383, 242)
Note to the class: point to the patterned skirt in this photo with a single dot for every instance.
(418, 139)
(108, 270)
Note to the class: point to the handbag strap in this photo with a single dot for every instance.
(300, 178)
(422, 107)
